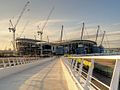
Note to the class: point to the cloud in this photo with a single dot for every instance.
(71, 31)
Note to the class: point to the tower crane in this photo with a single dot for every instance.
(24, 28)
(48, 38)
(13, 27)
(40, 32)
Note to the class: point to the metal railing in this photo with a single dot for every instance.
(13, 61)
(86, 78)
(97, 54)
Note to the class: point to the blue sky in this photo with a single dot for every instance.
(70, 13)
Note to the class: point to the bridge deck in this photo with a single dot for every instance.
(49, 75)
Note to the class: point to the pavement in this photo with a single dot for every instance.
(49, 75)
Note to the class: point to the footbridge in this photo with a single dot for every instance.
(57, 73)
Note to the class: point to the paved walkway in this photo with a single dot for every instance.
(47, 75)
(51, 77)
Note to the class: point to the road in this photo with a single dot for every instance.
(48, 75)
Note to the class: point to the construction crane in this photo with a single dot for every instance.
(102, 38)
(40, 32)
(24, 28)
(13, 27)
(61, 37)
(47, 38)
(82, 30)
(97, 33)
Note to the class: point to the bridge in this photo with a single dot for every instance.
(56, 73)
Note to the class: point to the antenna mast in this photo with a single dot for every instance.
(82, 30)
(97, 33)
(61, 34)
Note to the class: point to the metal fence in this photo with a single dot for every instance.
(86, 79)
(13, 61)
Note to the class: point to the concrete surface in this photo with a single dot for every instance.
(48, 75)
(49, 78)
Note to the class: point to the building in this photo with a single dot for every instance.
(33, 47)
(81, 47)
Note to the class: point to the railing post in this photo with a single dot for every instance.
(80, 69)
(9, 62)
(4, 65)
(17, 61)
(14, 61)
(115, 77)
(90, 71)
(20, 60)
(72, 64)
(75, 68)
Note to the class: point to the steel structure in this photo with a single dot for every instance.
(13, 27)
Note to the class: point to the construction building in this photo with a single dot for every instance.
(33, 47)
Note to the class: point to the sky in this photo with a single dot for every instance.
(70, 13)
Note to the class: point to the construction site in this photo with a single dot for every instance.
(58, 43)
(39, 47)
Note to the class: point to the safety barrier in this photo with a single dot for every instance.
(9, 66)
(97, 54)
(13, 61)
(86, 79)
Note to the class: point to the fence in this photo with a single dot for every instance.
(13, 61)
(86, 79)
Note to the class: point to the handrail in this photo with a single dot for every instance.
(14, 61)
(88, 82)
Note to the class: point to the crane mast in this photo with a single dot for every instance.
(24, 28)
(47, 19)
(48, 39)
(13, 27)
(41, 32)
